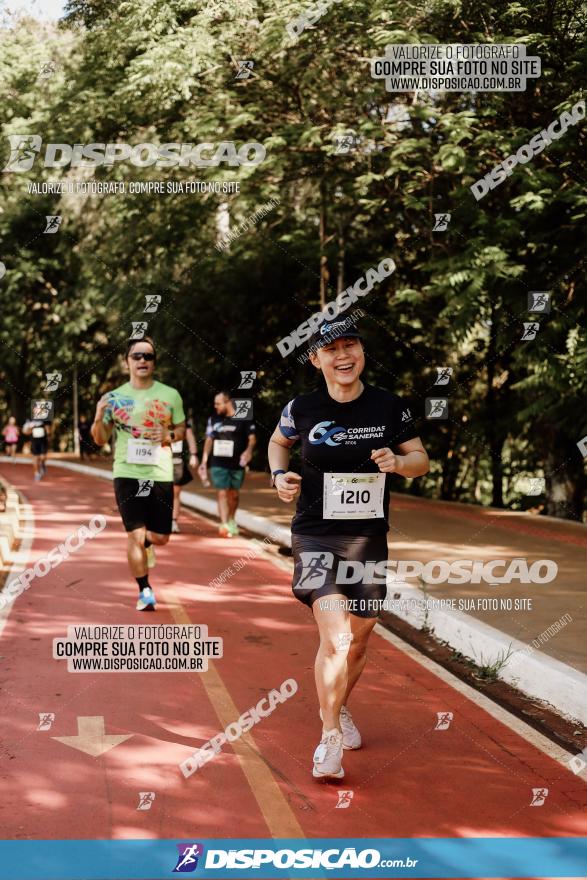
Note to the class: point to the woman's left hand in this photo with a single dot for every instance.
(387, 461)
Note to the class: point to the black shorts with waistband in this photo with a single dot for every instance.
(141, 504)
(316, 570)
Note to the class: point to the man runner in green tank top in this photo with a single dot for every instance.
(147, 418)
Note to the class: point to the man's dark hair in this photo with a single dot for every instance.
(225, 394)
(132, 342)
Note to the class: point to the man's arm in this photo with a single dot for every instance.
(248, 453)
(101, 430)
(192, 446)
(208, 444)
(178, 432)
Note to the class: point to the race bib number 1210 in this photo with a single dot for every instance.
(353, 496)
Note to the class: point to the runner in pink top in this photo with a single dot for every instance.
(11, 434)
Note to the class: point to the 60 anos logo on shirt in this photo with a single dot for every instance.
(324, 432)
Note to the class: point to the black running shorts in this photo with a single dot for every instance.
(39, 446)
(318, 573)
(139, 507)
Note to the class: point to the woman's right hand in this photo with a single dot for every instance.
(288, 486)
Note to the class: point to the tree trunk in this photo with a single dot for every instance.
(494, 435)
(450, 471)
(340, 260)
(324, 273)
(564, 478)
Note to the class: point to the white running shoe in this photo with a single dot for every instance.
(351, 738)
(328, 755)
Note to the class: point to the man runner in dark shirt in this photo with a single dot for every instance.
(228, 449)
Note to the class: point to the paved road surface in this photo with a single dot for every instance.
(473, 779)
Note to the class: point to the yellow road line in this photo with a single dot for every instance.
(274, 807)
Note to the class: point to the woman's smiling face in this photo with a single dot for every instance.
(341, 361)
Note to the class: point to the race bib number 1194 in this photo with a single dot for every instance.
(142, 452)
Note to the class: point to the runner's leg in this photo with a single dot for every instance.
(176, 502)
(223, 505)
(137, 555)
(157, 539)
(330, 667)
(232, 502)
(361, 629)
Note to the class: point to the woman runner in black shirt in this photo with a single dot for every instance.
(353, 437)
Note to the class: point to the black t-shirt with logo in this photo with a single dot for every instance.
(230, 438)
(338, 438)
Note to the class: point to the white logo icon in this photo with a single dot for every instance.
(41, 409)
(444, 720)
(441, 222)
(530, 330)
(582, 444)
(314, 569)
(144, 489)
(53, 380)
(47, 70)
(245, 69)
(23, 150)
(53, 222)
(539, 301)
(152, 301)
(537, 485)
(346, 143)
(343, 641)
(578, 762)
(46, 719)
(444, 374)
(146, 799)
(247, 379)
(344, 800)
(2, 270)
(139, 328)
(539, 795)
(243, 408)
(436, 408)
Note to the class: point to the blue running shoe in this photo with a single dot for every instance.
(146, 601)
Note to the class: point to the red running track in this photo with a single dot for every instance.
(474, 779)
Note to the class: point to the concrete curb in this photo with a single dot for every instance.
(10, 520)
(19, 558)
(536, 675)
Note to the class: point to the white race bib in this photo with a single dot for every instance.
(353, 496)
(142, 452)
(38, 432)
(177, 446)
(223, 448)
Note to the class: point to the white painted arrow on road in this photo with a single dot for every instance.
(91, 736)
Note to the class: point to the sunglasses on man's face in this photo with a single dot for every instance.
(143, 355)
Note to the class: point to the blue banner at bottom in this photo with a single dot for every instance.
(367, 858)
